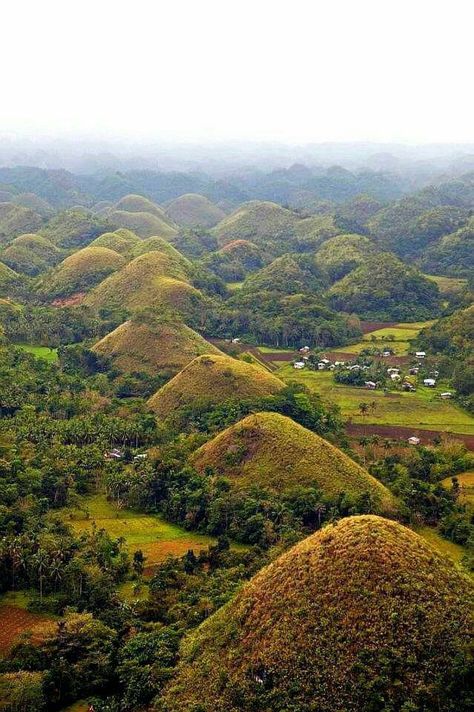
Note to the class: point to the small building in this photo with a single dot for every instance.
(339, 363)
(386, 353)
(430, 382)
(299, 364)
(420, 354)
(141, 456)
(114, 454)
(236, 341)
(395, 377)
(413, 371)
(446, 396)
(304, 350)
(370, 385)
(414, 440)
(393, 370)
(409, 387)
(321, 366)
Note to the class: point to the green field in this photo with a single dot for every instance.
(45, 352)
(233, 286)
(448, 284)
(399, 348)
(148, 532)
(466, 484)
(416, 410)
(275, 350)
(446, 547)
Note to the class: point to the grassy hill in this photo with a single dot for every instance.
(16, 220)
(7, 278)
(274, 452)
(235, 261)
(139, 204)
(258, 221)
(121, 241)
(153, 343)
(288, 274)
(35, 203)
(213, 379)
(340, 255)
(453, 254)
(159, 244)
(81, 271)
(142, 223)
(385, 288)
(30, 254)
(154, 279)
(74, 228)
(191, 210)
(363, 615)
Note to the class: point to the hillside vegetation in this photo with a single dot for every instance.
(81, 271)
(360, 612)
(74, 228)
(17, 220)
(122, 241)
(213, 379)
(340, 255)
(30, 254)
(142, 223)
(191, 210)
(271, 451)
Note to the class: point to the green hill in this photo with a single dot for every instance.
(453, 254)
(139, 204)
(384, 288)
(81, 271)
(288, 274)
(153, 343)
(235, 261)
(213, 379)
(274, 452)
(142, 223)
(8, 277)
(340, 255)
(154, 279)
(16, 220)
(30, 254)
(261, 222)
(121, 241)
(35, 203)
(74, 228)
(191, 210)
(363, 615)
(159, 244)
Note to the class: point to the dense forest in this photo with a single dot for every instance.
(236, 440)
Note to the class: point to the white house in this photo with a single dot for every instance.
(299, 364)
(414, 440)
(430, 382)
(304, 350)
(393, 370)
(395, 377)
(446, 395)
(370, 385)
(420, 354)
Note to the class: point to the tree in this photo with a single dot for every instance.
(364, 408)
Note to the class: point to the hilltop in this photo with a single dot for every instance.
(17, 220)
(272, 451)
(340, 255)
(121, 241)
(385, 288)
(8, 277)
(288, 274)
(159, 244)
(453, 254)
(191, 210)
(258, 221)
(139, 204)
(213, 379)
(152, 343)
(30, 254)
(235, 261)
(74, 228)
(142, 223)
(81, 271)
(360, 602)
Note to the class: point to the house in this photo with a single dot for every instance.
(414, 440)
(395, 377)
(304, 350)
(446, 395)
(430, 382)
(325, 360)
(141, 456)
(386, 353)
(339, 363)
(236, 341)
(321, 366)
(114, 454)
(420, 354)
(413, 371)
(299, 364)
(409, 387)
(370, 385)
(393, 370)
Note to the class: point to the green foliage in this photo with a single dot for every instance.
(16, 220)
(30, 254)
(452, 254)
(73, 228)
(235, 261)
(340, 255)
(192, 210)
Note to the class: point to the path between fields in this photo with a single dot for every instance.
(396, 432)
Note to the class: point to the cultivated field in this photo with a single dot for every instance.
(45, 352)
(16, 621)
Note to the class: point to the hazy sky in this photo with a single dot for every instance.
(296, 71)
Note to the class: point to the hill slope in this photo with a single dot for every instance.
(30, 254)
(74, 228)
(363, 615)
(152, 344)
(191, 210)
(139, 204)
(142, 223)
(81, 271)
(121, 241)
(272, 451)
(16, 220)
(340, 255)
(213, 379)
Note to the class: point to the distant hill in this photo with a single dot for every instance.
(75, 227)
(35, 203)
(363, 615)
(289, 274)
(139, 204)
(192, 209)
(17, 220)
(257, 221)
(384, 288)
(340, 255)
(153, 344)
(213, 379)
(453, 254)
(272, 451)
(142, 223)
(8, 277)
(30, 254)
(235, 261)
(122, 241)
(81, 271)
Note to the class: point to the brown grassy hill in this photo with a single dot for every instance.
(81, 271)
(153, 244)
(142, 223)
(363, 615)
(139, 204)
(191, 210)
(257, 221)
(153, 344)
(271, 450)
(154, 279)
(121, 241)
(214, 379)
(30, 254)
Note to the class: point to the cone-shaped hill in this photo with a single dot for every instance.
(191, 210)
(75, 227)
(142, 223)
(81, 271)
(16, 220)
(152, 344)
(257, 221)
(30, 254)
(122, 241)
(154, 279)
(213, 379)
(340, 255)
(272, 451)
(139, 204)
(159, 244)
(361, 601)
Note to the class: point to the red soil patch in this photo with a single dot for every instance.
(73, 301)
(15, 620)
(368, 326)
(340, 356)
(395, 432)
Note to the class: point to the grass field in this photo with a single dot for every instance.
(466, 483)
(448, 548)
(45, 352)
(448, 284)
(233, 286)
(275, 350)
(16, 620)
(399, 348)
(420, 409)
(148, 532)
